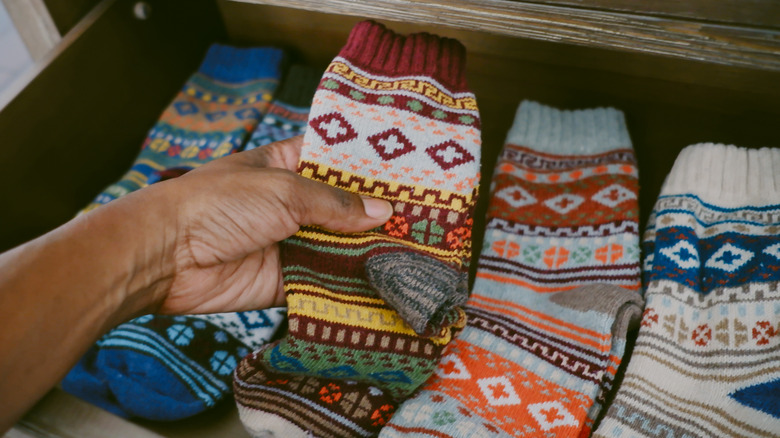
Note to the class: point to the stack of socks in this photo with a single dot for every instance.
(556, 286)
(210, 117)
(288, 114)
(370, 313)
(165, 367)
(706, 361)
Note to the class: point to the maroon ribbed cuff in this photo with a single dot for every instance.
(373, 47)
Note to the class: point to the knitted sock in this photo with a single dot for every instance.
(555, 289)
(166, 368)
(392, 118)
(705, 362)
(288, 113)
(210, 117)
(163, 367)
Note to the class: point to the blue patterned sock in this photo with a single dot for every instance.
(170, 367)
(209, 118)
(288, 114)
(705, 362)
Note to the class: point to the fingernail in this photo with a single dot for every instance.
(377, 208)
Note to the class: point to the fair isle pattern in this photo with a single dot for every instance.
(551, 305)
(288, 114)
(176, 367)
(705, 362)
(562, 258)
(365, 307)
(209, 118)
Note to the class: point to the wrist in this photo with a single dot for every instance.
(136, 236)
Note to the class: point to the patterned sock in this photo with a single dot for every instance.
(705, 362)
(555, 289)
(210, 117)
(288, 113)
(163, 367)
(392, 118)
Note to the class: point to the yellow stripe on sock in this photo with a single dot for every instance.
(363, 238)
(353, 314)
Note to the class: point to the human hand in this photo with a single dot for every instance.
(229, 216)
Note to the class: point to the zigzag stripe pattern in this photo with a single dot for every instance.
(531, 230)
(418, 87)
(527, 158)
(387, 190)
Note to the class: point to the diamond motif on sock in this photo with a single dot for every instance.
(390, 144)
(451, 367)
(185, 108)
(551, 414)
(515, 196)
(449, 154)
(729, 258)
(683, 254)
(565, 203)
(613, 195)
(498, 391)
(773, 250)
(333, 128)
(254, 319)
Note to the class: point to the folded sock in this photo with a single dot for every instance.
(288, 113)
(705, 362)
(555, 291)
(210, 117)
(392, 118)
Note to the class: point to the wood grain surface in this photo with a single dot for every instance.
(720, 43)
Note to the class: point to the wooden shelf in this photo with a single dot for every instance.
(704, 33)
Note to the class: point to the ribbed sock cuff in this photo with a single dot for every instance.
(299, 86)
(234, 64)
(373, 47)
(563, 132)
(726, 175)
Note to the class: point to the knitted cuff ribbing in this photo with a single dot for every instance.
(726, 175)
(374, 48)
(579, 132)
(299, 85)
(234, 64)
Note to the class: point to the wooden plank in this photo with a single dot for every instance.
(725, 44)
(34, 24)
(86, 108)
(764, 13)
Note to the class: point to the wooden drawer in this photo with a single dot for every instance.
(681, 75)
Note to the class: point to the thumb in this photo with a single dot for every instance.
(339, 210)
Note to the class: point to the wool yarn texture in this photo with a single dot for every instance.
(705, 361)
(392, 118)
(556, 288)
(288, 113)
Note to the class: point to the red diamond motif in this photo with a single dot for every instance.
(390, 144)
(449, 154)
(333, 128)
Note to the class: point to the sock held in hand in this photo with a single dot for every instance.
(555, 290)
(288, 114)
(392, 118)
(705, 362)
(209, 118)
